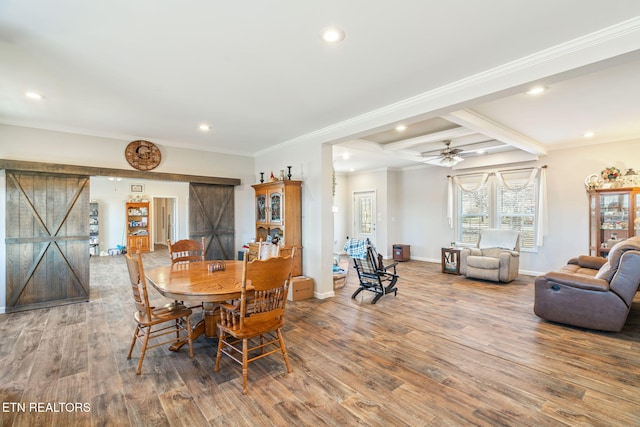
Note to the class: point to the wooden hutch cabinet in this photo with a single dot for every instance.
(279, 213)
(138, 227)
(614, 214)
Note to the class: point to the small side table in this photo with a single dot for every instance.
(401, 252)
(451, 260)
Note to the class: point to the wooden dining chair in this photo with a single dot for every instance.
(252, 329)
(286, 250)
(186, 250)
(263, 250)
(148, 317)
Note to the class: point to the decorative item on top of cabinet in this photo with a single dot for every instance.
(630, 178)
(138, 226)
(613, 215)
(279, 214)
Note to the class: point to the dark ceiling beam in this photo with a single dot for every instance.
(25, 166)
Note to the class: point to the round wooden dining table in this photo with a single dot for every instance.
(195, 282)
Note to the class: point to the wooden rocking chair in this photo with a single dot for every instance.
(374, 276)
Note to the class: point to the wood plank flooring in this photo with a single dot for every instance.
(446, 351)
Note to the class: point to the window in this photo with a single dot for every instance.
(473, 213)
(516, 207)
(365, 216)
(507, 200)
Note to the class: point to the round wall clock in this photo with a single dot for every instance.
(143, 155)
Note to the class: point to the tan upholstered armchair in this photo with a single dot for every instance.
(592, 292)
(496, 258)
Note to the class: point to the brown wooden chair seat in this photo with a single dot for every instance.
(252, 328)
(148, 317)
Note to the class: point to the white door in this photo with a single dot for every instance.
(364, 215)
(164, 220)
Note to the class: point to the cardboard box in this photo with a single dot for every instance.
(301, 288)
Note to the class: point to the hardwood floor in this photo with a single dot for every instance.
(446, 351)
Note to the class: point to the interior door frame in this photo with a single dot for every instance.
(173, 235)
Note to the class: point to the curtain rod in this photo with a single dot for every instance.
(494, 172)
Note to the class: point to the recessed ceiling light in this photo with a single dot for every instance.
(333, 35)
(401, 128)
(588, 134)
(481, 151)
(351, 170)
(536, 90)
(33, 95)
(345, 156)
(204, 127)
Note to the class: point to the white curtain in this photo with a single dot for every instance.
(542, 214)
(542, 225)
(475, 187)
(503, 182)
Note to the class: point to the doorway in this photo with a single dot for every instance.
(364, 215)
(164, 209)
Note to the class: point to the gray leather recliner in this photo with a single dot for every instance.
(496, 258)
(592, 292)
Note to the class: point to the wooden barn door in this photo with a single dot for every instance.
(47, 240)
(211, 214)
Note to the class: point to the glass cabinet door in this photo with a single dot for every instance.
(261, 208)
(614, 216)
(275, 208)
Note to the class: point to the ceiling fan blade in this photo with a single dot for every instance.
(456, 151)
(433, 160)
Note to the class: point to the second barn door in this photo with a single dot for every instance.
(211, 214)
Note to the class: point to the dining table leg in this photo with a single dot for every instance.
(207, 325)
(211, 318)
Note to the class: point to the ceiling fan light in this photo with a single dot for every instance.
(450, 161)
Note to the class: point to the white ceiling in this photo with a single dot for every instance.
(258, 73)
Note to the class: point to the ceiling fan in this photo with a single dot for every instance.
(448, 156)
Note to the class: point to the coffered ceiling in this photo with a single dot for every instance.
(591, 105)
(259, 75)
